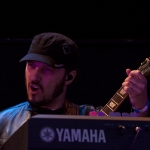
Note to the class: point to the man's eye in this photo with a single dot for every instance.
(30, 64)
(48, 70)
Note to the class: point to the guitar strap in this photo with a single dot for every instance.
(70, 108)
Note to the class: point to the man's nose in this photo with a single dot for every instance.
(36, 74)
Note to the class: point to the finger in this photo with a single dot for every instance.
(128, 71)
(132, 91)
(134, 82)
(132, 88)
(137, 74)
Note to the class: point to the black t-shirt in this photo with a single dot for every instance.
(42, 110)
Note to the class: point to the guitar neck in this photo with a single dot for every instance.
(114, 102)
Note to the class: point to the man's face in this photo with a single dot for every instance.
(44, 83)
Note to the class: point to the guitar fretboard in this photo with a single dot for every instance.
(114, 102)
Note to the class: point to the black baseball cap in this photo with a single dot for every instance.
(54, 49)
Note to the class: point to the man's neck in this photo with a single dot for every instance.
(55, 104)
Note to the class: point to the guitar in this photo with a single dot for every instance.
(121, 95)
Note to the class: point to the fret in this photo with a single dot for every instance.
(117, 99)
(122, 92)
(104, 112)
(109, 107)
(114, 101)
(119, 95)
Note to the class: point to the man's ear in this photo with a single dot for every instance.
(71, 76)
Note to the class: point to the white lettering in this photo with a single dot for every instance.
(66, 135)
(76, 135)
(85, 136)
(59, 132)
(101, 136)
(72, 135)
(93, 135)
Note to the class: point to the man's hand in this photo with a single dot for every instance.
(136, 86)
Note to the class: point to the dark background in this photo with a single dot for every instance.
(93, 19)
(111, 35)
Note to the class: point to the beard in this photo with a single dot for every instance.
(46, 101)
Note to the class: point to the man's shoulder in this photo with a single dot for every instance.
(13, 113)
(11, 119)
(18, 107)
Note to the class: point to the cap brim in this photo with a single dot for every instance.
(39, 57)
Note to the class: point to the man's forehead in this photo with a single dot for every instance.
(38, 62)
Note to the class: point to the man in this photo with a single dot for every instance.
(51, 65)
